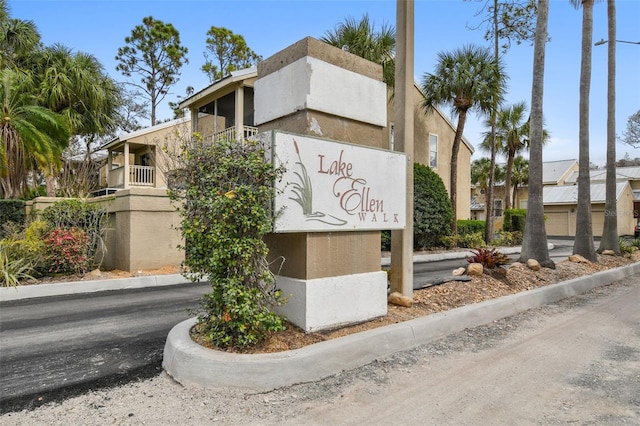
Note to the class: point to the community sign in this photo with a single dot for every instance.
(334, 186)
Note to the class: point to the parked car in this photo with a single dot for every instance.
(636, 231)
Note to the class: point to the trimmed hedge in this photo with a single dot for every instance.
(514, 220)
(11, 211)
(432, 212)
(468, 226)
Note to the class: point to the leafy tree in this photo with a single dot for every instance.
(583, 244)
(432, 209)
(631, 135)
(468, 79)
(153, 51)
(610, 240)
(130, 111)
(31, 135)
(362, 39)
(229, 51)
(534, 244)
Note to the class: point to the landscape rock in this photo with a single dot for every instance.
(399, 299)
(578, 259)
(608, 252)
(475, 269)
(458, 272)
(533, 264)
(516, 265)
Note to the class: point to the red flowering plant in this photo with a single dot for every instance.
(67, 251)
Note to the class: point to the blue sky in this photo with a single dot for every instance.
(100, 26)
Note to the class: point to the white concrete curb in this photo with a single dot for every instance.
(189, 363)
(90, 286)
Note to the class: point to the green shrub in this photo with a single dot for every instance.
(489, 258)
(514, 220)
(11, 211)
(224, 192)
(13, 270)
(89, 217)
(473, 240)
(28, 245)
(450, 241)
(508, 239)
(468, 226)
(432, 215)
(385, 240)
(627, 247)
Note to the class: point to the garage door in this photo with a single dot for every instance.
(557, 224)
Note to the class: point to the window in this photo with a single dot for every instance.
(145, 159)
(433, 151)
(523, 204)
(497, 208)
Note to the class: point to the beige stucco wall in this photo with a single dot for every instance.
(142, 230)
(434, 123)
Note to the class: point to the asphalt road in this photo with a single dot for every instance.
(51, 348)
(56, 347)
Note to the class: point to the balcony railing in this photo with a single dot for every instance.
(230, 133)
(138, 176)
(142, 175)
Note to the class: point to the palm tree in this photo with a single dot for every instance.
(534, 244)
(609, 239)
(512, 138)
(75, 85)
(18, 40)
(480, 172)
(468, 79)
(512, 132)
(519, 175)
(31, 135)
(583, 244)
(362, 39)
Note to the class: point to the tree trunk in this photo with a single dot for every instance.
(507, 178)
(534, 245)
(584, 232)
(609, 239)
(453, 181)
(488, 224)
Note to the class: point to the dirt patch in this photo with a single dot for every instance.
(448, 296)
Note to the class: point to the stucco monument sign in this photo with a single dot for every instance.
(331, 186)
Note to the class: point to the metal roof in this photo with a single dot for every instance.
(600, 175)
(144, 131)
(552, 171)
(568, 194)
